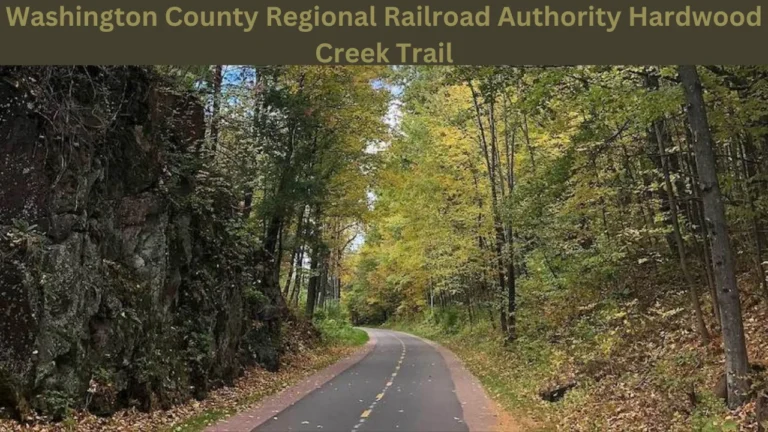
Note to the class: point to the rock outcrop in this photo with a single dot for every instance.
(123, 279)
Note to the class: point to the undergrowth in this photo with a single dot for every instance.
(336, 330)
(304, 355)
(337, 338)
(637, 367)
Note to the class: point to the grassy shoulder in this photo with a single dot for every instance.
(335, 329)
(634, 371)
(337, 332)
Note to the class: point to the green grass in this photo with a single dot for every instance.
(339, 332)
(201, 421)
(334, 326)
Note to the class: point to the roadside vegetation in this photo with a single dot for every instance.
(336, 330)
(610, 390)
(336, 338)
(218, 202)
(308, 349)
(589, 240)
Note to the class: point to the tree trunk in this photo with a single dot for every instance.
(247, 204)
(652, 84)
(318, 257)
(699, 208)
(725, 279)
(279, 252)
(215, 110)
(267, 261)
(509, 150)
(298, 238)
(511, 301)
(314, 278)
(702, 327)
(323, 283)
(299, 279)
(489, 154)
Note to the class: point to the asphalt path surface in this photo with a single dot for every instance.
(403, 384)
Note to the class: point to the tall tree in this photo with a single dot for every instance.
(216, 106)
(736, 363)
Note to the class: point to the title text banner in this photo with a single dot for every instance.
(382, 32)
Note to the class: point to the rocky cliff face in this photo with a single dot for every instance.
(123, 279)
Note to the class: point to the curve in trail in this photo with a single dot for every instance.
(403, 384)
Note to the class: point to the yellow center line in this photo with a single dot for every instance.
(379, 396)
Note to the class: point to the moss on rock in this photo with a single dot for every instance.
(132, 294)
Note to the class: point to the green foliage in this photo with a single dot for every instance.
(332, 311)
(336, 332)
(335, 328)
(555, 174)
(24, 238)
(708, 416)
(56, 404)
(255, 298)
(446, 319)
(550, 174)
(602, 356)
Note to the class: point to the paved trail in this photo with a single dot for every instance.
(403, 384)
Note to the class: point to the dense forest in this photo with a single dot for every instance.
(590, 240)
(604, 224)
